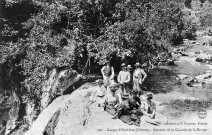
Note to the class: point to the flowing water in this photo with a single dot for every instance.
(164, 83)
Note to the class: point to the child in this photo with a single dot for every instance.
(148, 108)
(101, 91)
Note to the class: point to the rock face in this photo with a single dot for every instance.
(49, 130)
(77, 105)
(56, 84)
(9, 113)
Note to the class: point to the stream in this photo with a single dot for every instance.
(163, 80)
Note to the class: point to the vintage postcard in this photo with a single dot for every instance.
(105, 67)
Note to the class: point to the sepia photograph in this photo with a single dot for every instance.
(105, 67)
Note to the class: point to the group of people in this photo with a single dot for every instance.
(125, 99)
(125, 79)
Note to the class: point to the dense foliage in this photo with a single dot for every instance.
(66, 34)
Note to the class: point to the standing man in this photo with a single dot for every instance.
(139, 76)
(107, 73)
(124, 78)
(129, 68)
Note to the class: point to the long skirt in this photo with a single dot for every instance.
(110, 109)
(126, 116)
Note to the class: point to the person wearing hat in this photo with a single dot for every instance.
(107, 73)
(148, 108)
(139, 76)
(124, 78)
(129, 68)
(111, 100)
(123, 106)
(134, 100)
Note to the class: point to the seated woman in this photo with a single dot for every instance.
(123, 107)
(125, 110)
(101, 91)
(148, 108)
(134, 99)
(134, 104)
(129, 109)
(111, 100)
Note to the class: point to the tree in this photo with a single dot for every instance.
(65, 34)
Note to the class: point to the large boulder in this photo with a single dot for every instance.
(208, 81)
(182, 77)
(203, 57)
(76, 105)
(200, 78)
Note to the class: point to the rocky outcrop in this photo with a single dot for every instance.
(17, 121)
(74, 108)
(198, 80)
(204, 57)
(56, 84)
(182, 77)
(49, 130)
(78, 114)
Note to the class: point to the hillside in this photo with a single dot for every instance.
(50, 48)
